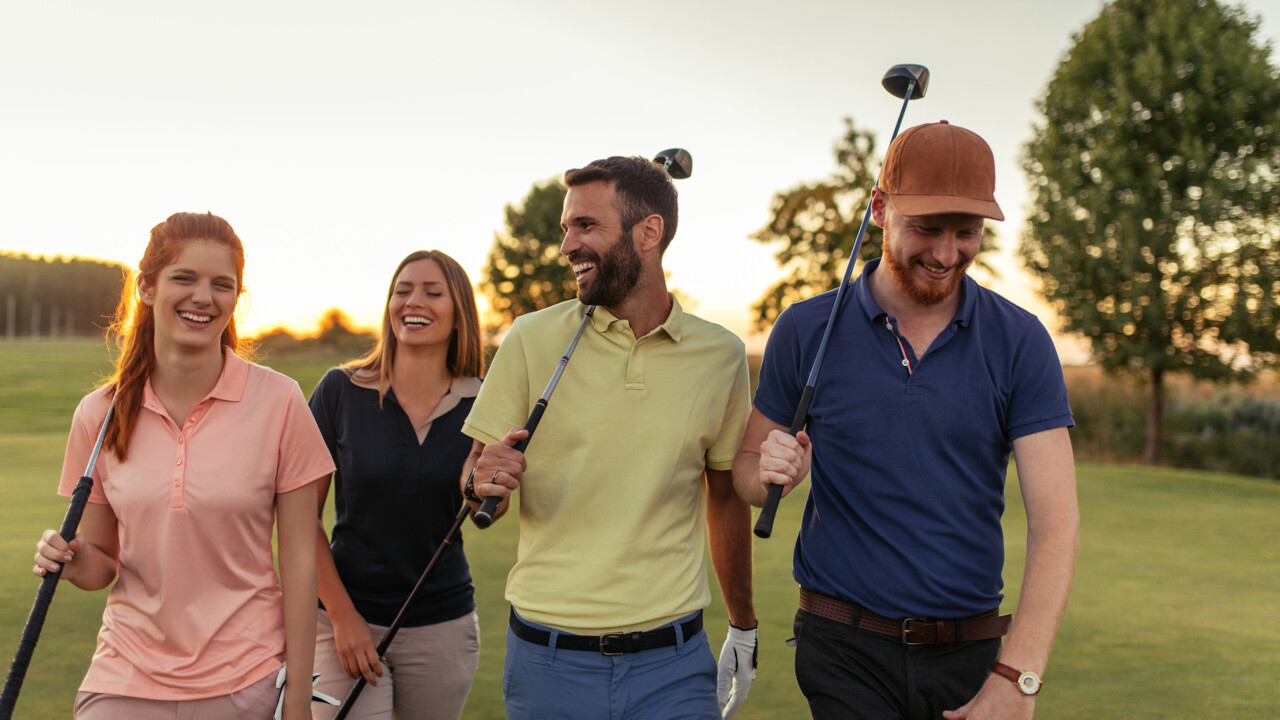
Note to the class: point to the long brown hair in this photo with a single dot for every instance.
(465, 357)
(133, 328)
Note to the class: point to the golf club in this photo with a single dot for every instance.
(44, 596)
(677, 162)
(484, 516)
(908, 82)
(404, 609)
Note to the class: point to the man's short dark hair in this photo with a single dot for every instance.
(642, 188)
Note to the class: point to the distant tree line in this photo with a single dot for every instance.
(334, 333)
(55, 297)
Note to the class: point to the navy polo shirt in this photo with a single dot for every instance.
(903, 515)
(395, 499)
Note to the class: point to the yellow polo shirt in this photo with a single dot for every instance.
(613, 507)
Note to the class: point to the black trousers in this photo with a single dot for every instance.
(847, 673)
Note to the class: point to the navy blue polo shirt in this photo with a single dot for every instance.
(394, 500)
(903, 515)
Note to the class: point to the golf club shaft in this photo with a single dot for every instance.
(764, 523)
(484, 516)
(404, 611)
(49, 584)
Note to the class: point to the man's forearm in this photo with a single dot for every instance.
(1046, 584)
(746, 477)
(729, 528)
(1046, 474)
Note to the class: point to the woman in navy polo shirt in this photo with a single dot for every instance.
(393, 420)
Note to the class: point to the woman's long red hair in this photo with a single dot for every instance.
(133, 327)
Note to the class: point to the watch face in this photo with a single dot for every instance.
(1028, 683)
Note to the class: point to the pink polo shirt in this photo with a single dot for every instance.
(197, 611)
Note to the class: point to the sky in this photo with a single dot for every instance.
(338, 137)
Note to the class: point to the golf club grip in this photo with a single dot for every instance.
(40, 608)
(484, 516)
(764, 523)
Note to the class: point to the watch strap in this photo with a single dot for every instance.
(1028, 682)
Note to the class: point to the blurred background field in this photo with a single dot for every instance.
(1172, 615)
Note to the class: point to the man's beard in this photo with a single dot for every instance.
(616, 274)
(925, 292)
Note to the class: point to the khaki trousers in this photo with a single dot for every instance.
(427, 675)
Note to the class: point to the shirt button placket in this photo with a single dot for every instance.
(176, 499)
(635, 366)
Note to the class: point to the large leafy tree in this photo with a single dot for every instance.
(1156, 174)
(816, 223)
(525, 270)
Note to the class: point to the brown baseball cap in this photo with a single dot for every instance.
(940, 168)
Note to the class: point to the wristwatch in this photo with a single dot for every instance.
(1028, 682)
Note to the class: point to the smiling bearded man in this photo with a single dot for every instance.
(901, 548)
(616, 273)
(628, 478)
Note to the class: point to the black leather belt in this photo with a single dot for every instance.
(614, 643)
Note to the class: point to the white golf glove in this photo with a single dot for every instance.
(737, 668)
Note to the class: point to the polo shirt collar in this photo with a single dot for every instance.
(460, 388)
(873, 311)
(230, 386)
(673, 326)
(234, 377)
(862, 290)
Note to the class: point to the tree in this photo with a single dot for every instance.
(525, 270)
(1156, 221)
(335, 332)
(57, 296)
(816, 224)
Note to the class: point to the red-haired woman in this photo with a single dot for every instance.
(393, 422)
(204, 450)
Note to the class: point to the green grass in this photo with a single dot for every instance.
(1172, 615)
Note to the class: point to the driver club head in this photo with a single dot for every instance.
(677, 162)
(900, 76)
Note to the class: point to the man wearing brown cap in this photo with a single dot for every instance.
(930, 382)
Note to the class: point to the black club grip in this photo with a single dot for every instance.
(484, 516)
(764, 523)
(40, 609)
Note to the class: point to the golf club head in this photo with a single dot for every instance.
(677, 162)
(900, 76)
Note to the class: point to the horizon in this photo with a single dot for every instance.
(336, 140)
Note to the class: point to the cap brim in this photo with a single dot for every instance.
(944, 204)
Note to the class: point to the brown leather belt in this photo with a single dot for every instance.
(911, 631)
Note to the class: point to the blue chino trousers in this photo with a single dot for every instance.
(670, 683)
